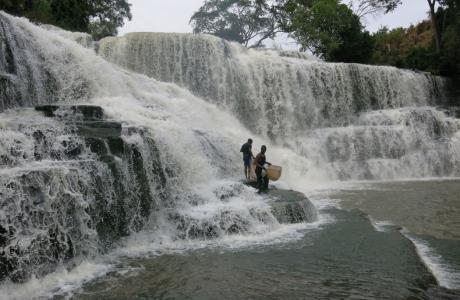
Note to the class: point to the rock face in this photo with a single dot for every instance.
(291, 207)
(71, 185)
(288, 206)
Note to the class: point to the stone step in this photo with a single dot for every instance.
(90, 112)
(92, 123)
(99, 129)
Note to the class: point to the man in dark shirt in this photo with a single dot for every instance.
(247, 157)
(261, 161)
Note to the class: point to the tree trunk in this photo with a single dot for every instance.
(434, 23)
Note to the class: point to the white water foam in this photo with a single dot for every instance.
(61, 282)
(382, 226)
(446, 276)
(65, 283)
(148, 243)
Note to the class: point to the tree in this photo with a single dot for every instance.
(98, 17)
(34, 10)
(329, 29)
(370, 7)
(388, 47)
(450, 51)
(71, 14)
(405, 47)
(16, 7)
(416, 47)
(243, 21)
(434, 22)
(108, 15)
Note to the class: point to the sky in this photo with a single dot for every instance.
(174, 16)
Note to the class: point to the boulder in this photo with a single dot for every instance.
(288, 206)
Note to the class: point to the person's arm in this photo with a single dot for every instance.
(250, 152)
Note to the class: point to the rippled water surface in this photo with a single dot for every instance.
(423, 207)
(393, 241)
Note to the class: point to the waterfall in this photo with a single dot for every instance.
(276, 94)
(351, 121)
(119, 153)
(115, 153)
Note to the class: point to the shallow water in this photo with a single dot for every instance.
(355, 256)
(423, 207)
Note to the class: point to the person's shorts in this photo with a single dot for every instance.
(247, 161)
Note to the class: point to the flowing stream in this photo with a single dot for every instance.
(130, 185)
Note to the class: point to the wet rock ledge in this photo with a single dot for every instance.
(72, 188)
(89, 120)
(289, 206)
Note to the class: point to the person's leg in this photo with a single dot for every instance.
(266, 181)
(246, 167)
(259, 180)
(249, 168)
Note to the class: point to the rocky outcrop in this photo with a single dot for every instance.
(291, 207)
(288, 206)
(71, 185)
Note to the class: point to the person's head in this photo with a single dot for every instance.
(263, 149)
(250, 141)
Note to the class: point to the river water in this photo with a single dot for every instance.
(373, 240)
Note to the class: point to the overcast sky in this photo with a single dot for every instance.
(174, 15)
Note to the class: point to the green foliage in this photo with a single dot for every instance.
(242, 21)
(106, 16)
(387, 46)
(410, 48)
(98, 17)
(421, 59)
(16, 7)
(450, 51)
(70, 14)
(415, 48)
(330, 30)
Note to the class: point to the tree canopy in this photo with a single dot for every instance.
(98, 17)
(369, 7)
(329, 30)
(243, 21)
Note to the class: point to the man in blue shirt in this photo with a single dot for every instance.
(247, 157)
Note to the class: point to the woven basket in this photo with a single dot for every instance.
(274, 172)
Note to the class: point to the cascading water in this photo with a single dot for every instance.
(351, 121)
(76, 179)
(161, 161)
(274, 93)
